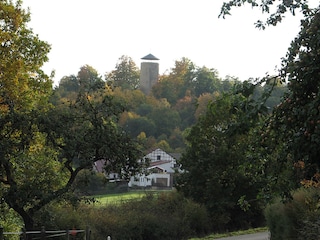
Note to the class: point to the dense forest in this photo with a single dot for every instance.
(163, 117)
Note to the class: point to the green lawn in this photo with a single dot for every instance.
(122, 197)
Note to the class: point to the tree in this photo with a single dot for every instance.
(274, 18)
(133, 98)
(205, 81)
(277, 94)
(44, 147)
(174, 86)
(165, 119)
(294, 122)
(24, 95)
(68, 139)
(140, 124)
(23, 83)
(214, 172)
(126, 75)
(202, 103)
(89, 79)
(228, 83)
(69, 84)
(68, 88)
(176, 140)
(292, 128)
(186, 107)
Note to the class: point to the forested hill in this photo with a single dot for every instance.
(164, 117)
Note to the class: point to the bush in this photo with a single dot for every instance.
(164, 216)
(156, 216)
(296, 219)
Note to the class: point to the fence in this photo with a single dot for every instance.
(44, 234)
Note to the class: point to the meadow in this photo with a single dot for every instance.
(118, 198)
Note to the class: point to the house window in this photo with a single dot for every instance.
(158, 157)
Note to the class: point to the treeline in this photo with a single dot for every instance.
(164, 117)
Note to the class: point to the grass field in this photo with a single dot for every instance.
(122, 197)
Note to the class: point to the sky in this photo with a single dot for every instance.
(99, 32)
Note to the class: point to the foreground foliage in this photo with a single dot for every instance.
(294, 126)
(289, 142)
(290, 139)
(162, 216)
(43, 144)
(24, 95)
(276, 9)
(215, 171)
(296, 219)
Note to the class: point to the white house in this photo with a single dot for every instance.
(159, 173)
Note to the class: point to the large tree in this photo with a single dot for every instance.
(294, 124)
(24, 95)
(126, 74)
(89, 79)
(290, 139)
(205, 81)
(43, 146)
(174, 86)
(214, 163)
(69, 87)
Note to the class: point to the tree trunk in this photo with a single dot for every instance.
(27, 220)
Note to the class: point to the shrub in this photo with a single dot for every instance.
(156, 216)
(164, 216)
(296, 219)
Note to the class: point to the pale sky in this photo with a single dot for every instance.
(99, 32)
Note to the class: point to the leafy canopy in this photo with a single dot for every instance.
(43, 144)
(290, 139)
(215, 163)
(276, 13)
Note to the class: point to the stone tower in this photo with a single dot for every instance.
(149, 73)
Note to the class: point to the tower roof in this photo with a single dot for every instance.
(150, 57)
